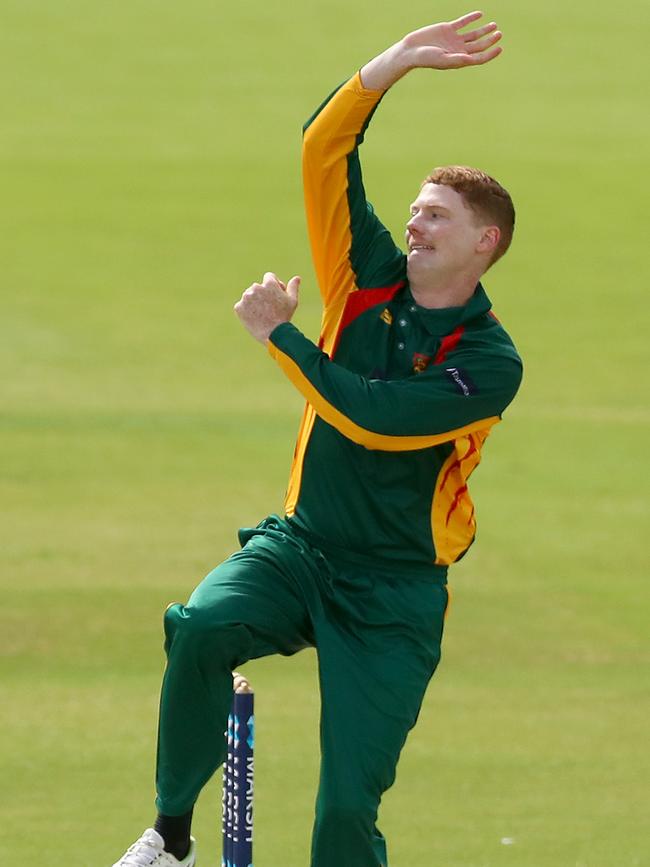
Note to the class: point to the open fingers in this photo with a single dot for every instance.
(486, 56)
(473, 35)
(464, 20)
(481, 45)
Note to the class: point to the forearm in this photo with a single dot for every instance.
(383, 71)
(400, 415)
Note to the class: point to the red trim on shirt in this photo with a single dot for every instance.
(448, 344)
(457, 496)
(455, 465)
(360, 301)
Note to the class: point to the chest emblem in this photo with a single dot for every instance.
(420, 362)
(386, 316)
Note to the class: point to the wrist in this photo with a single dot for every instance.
(404, 55)
(383, 71)
(276, 331)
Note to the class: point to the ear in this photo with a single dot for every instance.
(489, 239)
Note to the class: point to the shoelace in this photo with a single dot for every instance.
(140, 854)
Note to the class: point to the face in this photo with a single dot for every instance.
(443, 235)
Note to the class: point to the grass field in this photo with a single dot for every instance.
(149, 168)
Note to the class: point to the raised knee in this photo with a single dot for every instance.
(192, 624)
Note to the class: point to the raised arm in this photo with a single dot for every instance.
(437, 46)
(351, 249)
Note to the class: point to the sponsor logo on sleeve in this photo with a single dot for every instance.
(462, 380)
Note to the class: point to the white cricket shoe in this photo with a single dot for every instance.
(148, 851)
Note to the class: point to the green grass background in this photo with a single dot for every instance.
(149, 160)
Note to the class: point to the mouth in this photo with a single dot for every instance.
(414, 247)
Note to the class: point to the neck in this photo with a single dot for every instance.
(436, 292)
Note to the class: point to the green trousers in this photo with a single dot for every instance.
(377, 637)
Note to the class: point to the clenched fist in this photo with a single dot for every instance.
(265, 305)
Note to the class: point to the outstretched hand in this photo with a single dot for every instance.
(265, 305)
(437, 46)
(443, 46)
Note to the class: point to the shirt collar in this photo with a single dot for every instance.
(443, 320)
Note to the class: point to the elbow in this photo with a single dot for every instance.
(313, 148)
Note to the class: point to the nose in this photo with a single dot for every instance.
(412, 230)
(413, 224)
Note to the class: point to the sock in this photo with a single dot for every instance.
(175, 831)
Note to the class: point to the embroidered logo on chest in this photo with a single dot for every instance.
(420, 362)
(386, 316)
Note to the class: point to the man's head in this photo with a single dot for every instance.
(461, 221)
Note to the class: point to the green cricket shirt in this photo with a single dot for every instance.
(400, 398)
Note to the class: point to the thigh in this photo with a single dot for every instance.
(378, 648)
(261, 587)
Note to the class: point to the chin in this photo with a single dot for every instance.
(417, 267)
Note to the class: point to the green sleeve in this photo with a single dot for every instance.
(468, 392)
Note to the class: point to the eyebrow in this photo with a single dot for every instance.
(437, 207)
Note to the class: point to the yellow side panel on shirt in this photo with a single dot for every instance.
(295, 477)
(452, 514)
(330, 325)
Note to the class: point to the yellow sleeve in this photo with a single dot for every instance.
(350, 247)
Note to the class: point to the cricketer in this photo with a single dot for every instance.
(410, 373)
